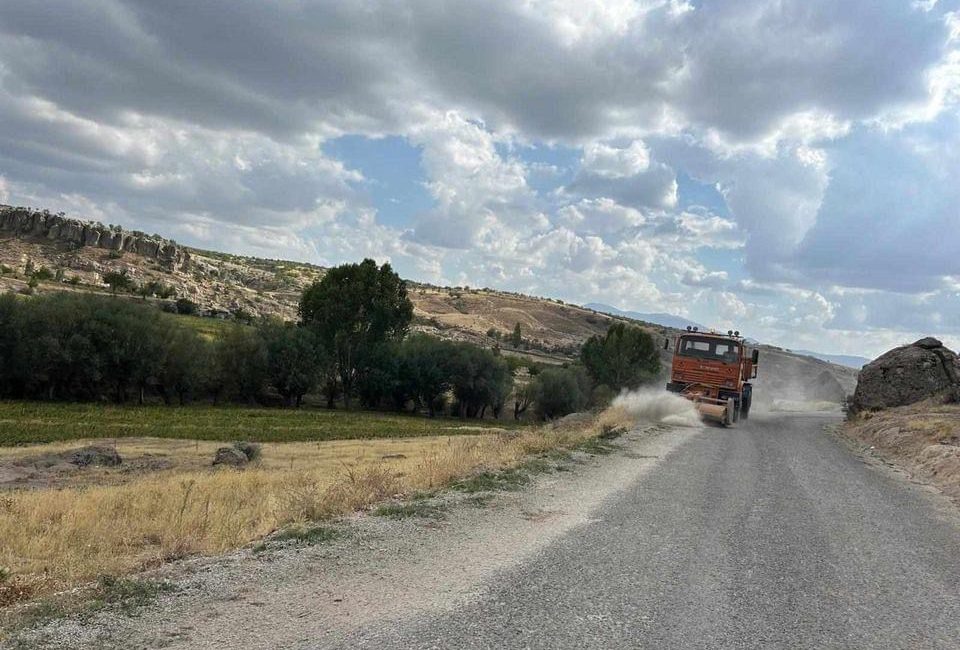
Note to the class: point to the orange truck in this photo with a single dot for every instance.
(713, 370)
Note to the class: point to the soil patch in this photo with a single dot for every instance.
(923, 439)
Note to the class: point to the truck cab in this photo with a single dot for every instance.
(714, 371)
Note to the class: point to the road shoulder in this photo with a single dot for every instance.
(379, 570)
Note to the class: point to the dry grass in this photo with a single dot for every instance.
(924, 438)
(53, 539)
(174, 457)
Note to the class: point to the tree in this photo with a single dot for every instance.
(117, 280)
(186, 306)
(294, 359)
(479, 380)
(557, 392)
(241, 364)
(186, 364)
(83, 347)
(517, 337)
(353, 308)
(624, 357)
(132, 354)
(424, 371)
(378, 374)
(523, 398)
(10, 344)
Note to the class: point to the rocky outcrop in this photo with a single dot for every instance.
(908, 374)
(36, 224)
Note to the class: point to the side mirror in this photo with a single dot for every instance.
(666, 344)
(756, 356)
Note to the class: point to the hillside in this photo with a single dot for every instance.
(660, 318)
(77, 254)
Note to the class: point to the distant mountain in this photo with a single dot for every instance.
(659, 318)
(849, 360)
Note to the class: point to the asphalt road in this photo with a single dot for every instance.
(770, 534)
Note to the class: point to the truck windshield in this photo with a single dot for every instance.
(707, 348)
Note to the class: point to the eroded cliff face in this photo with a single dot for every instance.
(37, 224)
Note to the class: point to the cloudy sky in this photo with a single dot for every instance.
(790, 168)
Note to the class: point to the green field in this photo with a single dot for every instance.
(33, 422)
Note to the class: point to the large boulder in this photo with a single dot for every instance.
(908, 374)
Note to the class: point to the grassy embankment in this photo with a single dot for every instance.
(922, 438)
(53, 539)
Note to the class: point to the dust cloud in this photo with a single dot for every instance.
(657, 407)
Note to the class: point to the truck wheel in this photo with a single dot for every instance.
(745, 408)
(730, 414)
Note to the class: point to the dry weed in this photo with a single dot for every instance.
(58, 538)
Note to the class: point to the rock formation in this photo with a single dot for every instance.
(908, 374)
(35, 224)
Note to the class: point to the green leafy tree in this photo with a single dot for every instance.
(624, 357)
(424, 372)
(479, 379)
(557, 392)
(523, 398)
(186, 365)
(517, 337)
(83, 347)
(241, 360)
(117, 280)
(378, 377)
(353, 308)
(294, 360)
(10, 344)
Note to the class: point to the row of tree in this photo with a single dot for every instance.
(92, 348)
(351, 344)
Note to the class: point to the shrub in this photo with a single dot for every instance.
(117, 280)
(556, 393)
(43, 274)
(601, 396)
(251, 450)
(186, 306)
